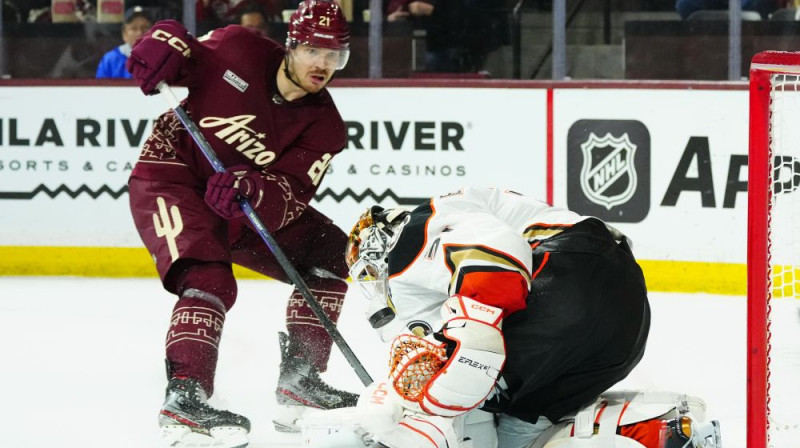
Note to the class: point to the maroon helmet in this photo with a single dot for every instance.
(318, 23)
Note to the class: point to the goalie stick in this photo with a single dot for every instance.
(291, 272)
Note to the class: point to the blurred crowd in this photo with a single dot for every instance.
(449, 36)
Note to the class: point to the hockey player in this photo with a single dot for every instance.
(264, 109)
(502, 302)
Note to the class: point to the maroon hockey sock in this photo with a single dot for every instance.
(207, 290)
(303, 326)
(193, 339)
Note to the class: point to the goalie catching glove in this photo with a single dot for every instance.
(458, 369)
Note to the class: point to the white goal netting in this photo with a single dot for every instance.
(783, 262)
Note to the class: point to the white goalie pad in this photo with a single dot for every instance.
(378, 411)
(590, 428)
(645, 405)
(379, 417)
(287, 417)
(335, 428)
(340, 428)
(616, 442)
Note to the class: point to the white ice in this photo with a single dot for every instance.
(82, 359)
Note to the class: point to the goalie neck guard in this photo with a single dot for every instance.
(372, 237)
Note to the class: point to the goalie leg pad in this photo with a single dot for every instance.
(643, 419)
(422, 431)
(480, 429)
(380, 418)
(334, 428)
(515, 433)
(288, 417)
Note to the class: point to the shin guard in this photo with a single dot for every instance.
(193, 340)
(192, 343)
(303, 325)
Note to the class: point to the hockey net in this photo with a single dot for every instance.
(773, 364)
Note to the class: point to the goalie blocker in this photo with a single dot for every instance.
(452, 371)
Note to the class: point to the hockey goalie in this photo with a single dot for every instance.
(509, 321)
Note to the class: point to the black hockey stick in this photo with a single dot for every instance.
(294, 276)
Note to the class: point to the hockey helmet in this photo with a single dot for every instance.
(321, 24)
(372, 237)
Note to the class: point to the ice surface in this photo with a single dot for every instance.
(82, 359)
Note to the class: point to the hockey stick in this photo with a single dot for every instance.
(291, 272)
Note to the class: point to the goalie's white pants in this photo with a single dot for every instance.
(515, 433)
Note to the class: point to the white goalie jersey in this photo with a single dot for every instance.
(475, 242)
(450, 283)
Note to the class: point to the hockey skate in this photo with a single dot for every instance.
(187, 421)
(301, 388)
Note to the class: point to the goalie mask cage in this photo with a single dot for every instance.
(773, 259)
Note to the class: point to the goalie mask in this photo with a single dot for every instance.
(373, 236)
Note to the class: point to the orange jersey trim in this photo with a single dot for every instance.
(648, 432)
(505, 290)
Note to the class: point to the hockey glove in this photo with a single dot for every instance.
(160, 55)
(382, 417)
(472, 332)
(225, 189)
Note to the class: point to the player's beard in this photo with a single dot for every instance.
(311, 80)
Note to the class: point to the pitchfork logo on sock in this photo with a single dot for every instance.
(608, 169)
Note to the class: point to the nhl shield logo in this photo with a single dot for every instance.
(608, 169)
(608, 174)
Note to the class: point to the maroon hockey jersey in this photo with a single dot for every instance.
(234, 100)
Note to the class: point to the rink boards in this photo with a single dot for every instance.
(666, 164)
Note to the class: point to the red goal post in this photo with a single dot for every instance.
(773, 252)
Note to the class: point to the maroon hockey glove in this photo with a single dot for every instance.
(160, 55)
(224, 190)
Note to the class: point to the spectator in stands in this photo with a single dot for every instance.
(39, 11)
(290, 4)
(159, 9)
(397, 10)
(764, 7)
(11, 12)
(459, 33)
(218, 13)
(137, 22)
(254, 18)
